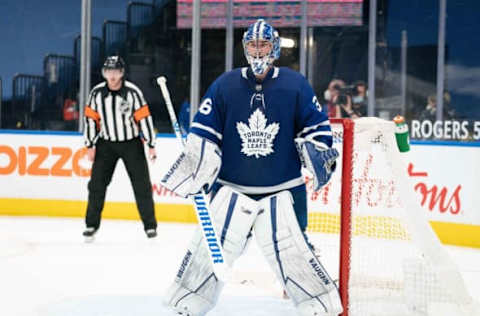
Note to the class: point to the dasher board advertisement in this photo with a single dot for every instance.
(48, 174)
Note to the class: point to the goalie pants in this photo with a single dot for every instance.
(299, 194)
(106, 157)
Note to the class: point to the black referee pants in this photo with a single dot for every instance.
(106, 158)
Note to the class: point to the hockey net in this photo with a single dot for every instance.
(391, 262)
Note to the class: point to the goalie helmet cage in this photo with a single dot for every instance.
(391, 262)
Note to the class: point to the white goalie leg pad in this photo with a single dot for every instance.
(196, 288)
(306, 281)
(234, 214)
(197, 167)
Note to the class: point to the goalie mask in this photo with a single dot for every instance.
(261, 45)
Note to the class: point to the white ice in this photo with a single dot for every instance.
(47, 269)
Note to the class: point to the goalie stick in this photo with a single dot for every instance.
(204, 217)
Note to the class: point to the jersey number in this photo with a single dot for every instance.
(206, 106)
(316, 103)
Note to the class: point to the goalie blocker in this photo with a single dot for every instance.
(272, 219)
(195, 169)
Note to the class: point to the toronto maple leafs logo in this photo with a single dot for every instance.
(257, 137)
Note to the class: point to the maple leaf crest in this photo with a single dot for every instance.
(257, 137)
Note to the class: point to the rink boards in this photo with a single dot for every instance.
(46, 174)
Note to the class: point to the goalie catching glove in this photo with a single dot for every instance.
(195, 169)
(318, 159)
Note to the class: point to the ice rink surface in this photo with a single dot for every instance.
(47, 269)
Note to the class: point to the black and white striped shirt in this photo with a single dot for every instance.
(117, 115)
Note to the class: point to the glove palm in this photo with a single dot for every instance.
(320, 162)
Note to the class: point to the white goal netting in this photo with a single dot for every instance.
(392, 262)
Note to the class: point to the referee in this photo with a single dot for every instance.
(116, 118)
